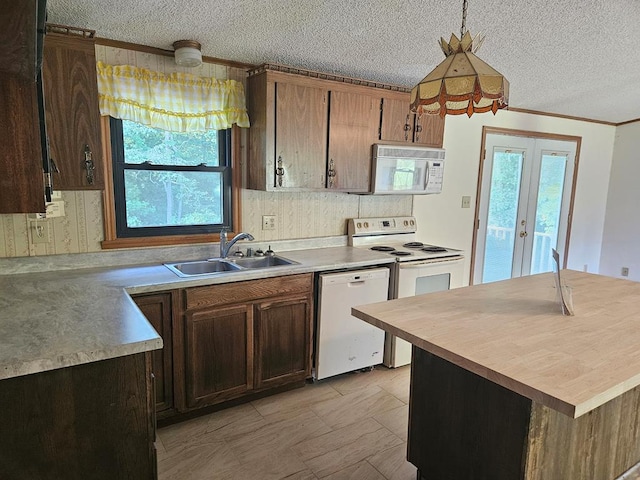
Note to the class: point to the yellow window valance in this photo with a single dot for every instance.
(178, 102)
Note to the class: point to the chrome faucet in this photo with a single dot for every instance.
(225, 245)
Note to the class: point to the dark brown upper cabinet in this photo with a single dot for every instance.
(71, 106)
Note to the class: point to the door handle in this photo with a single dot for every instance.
(523, 234)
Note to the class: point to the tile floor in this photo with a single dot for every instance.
(353, 426)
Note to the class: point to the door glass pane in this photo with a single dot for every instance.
(502, 215)
(550, 189)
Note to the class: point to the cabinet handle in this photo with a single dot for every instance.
(331, 173)
(279, 172)
(88, 164)
(407, 127)
(418, 130)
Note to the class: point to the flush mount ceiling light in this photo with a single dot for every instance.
(187, 53)
(462, 83)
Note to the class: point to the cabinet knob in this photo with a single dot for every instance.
(88, 164)
(523, 234)
(279, 172)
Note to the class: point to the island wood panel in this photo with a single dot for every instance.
(247, 291)
(513, 333)
(353, 128)
(462, 425)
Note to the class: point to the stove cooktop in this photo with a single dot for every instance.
(412, 251)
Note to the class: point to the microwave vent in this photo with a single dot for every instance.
(391, 151)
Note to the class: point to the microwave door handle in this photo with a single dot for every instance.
(426, 176)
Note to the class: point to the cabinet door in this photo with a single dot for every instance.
(353, 128)
(429, 130)
(21, 181)
(397, 121)
(283, 341)
(157, 308)
(301, 136)
(218, 354)
(72, 113)
(399, 124)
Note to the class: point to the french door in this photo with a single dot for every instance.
(523, 212)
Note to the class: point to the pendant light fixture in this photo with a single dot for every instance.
(462, 83)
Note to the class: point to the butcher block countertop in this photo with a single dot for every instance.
(514, 334)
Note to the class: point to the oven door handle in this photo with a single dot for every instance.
(435, 262)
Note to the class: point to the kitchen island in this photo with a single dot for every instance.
(503, 386)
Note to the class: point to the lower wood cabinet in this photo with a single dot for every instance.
(157, 307)
(90, 421)
(282, 341)
(244, 337)
(218, 354)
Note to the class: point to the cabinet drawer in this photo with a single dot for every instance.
(238, 292)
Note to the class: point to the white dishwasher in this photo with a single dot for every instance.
(343, 342)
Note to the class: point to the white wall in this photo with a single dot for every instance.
(441, 219)
(620, 243)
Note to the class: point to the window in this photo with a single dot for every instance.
(168, 183)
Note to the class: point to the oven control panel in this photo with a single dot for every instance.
(380, 226)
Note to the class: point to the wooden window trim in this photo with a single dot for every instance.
(111, 241)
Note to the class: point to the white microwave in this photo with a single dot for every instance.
(399, 169)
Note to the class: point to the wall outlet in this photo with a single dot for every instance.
(466, 201)
(625, 271)
(39, 232)
(268, 222)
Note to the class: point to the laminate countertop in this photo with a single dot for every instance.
(63, 318)
(514, 334)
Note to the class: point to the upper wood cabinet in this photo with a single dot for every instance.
(21, 181)
(399, 124)
(300, 136)
(18, 37)
(72, 112)
(353, 128)
(21, 160)
(288, 135)
(300, 140)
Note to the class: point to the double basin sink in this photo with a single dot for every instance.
(227, 265)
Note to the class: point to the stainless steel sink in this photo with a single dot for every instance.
(263, 262)
(202, 267)
(220, 265)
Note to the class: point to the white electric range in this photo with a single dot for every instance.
(420, 267)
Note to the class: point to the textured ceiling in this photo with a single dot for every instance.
(578, 58)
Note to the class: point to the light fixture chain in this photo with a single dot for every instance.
(463, 29)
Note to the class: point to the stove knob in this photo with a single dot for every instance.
(406, 223)
(366, 224)
(412, 223)
(359, 225)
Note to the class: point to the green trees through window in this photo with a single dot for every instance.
(170, 183)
